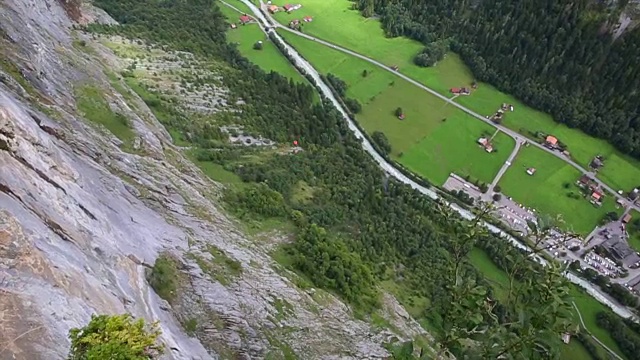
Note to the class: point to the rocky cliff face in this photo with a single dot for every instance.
(81, 219)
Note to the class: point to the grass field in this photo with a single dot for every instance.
(574, 351)
(589, 308)
(245, 36)
(422, 141)
(335, 21)
(546, 190)
(452, 147)
(366, 37)
(94, 107)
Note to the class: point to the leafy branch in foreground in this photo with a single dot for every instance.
(526, 324)
(115, 337)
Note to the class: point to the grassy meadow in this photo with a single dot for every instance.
(95, 108)
(547, 190)
(589, 308)
(337, 22)
(433, 140)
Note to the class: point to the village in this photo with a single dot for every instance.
(605, 251)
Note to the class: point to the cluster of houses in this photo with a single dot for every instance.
(589, 185)
(295, 24)
(498, 115)
(287, 7)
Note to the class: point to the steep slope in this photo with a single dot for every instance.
(92, 191)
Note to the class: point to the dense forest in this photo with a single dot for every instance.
(559, 56)
(355, 228)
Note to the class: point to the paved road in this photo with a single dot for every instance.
(503, 169)
(392, 171)
(516, 136)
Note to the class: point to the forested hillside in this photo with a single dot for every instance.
(557, 56)
(355, 229)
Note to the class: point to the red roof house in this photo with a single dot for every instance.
(245, 19)
(596, 196)
(585, 180)
(307, 19)
(287, 7)
(486, 144)
(551, 140)
(460, 91)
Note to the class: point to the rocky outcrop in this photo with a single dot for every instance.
(80, 220)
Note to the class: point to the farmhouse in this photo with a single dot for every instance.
(587, 183)
(531, 171)
(273, 9)
(307, 19)
(626, 219)
(596, 198)
(497, 117)
(634, 194)
(596, 163)
(486, 144)
(401, 116)
(460, 91)
(294, 24)
(233, 26)
(245, 19)
(289, 8)
(551, 142)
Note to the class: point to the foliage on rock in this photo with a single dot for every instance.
(115, 337)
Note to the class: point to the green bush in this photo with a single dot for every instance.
(115, 337)
(163, 277)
